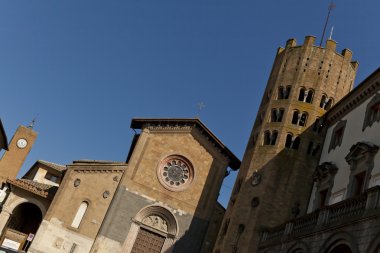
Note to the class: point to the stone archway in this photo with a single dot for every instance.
(298, 247)
(26, 218)
(153, 230)
(23, 222)
(341, 248)
(341, 242)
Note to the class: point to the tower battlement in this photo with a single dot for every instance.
(330, 45)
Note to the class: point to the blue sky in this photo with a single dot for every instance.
(86, 68)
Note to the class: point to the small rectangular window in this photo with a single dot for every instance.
(337, 135)
(359, 183)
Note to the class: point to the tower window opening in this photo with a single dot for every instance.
(328, 104)
(301, 96)
(310, 147)
(270, 138)
(299, 119)
(303, 119)
(277, 114)
(287, 92)
(283, 93)
(323, 101)
(306, 95)
(292, 142)
(280, 92)
(309, 96)
(315, 150)
(317, 127)
(289, 140)
(296, 143)
(274, 138)
(295, 117)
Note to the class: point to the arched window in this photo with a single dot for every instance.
(309, 96)
(317, 125)
(323, 101)
(310, 148)
(280, 93)
(289, 140)
(329, 104)
(292, 142)
(283, 93)
(315, 150)
(303, 119)
(266, 138)
(270, 138)
(299, 119)
(274, 138)
(277, 114)
(79, 215)
(306, 95)
(296, 143)
(295, 117)
(301, 96)
(287, 92)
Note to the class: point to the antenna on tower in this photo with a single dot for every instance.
(330, 8)
(31, 125)
(332, 29)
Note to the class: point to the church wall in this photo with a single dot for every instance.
(90, 182)
(54, 237)
(118, 224)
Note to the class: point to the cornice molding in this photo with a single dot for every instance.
(366, 89)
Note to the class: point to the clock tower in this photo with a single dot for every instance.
(18, 149)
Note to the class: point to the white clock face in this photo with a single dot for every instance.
(21, 143)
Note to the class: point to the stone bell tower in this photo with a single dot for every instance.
(18, 149)
(275, 177)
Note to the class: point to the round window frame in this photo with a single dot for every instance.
(161, 178)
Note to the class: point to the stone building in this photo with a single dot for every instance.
(272, 185)
(344, 208)
(162, 199)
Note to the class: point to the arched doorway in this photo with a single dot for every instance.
(154, 230)
(22, 226)
(26, 218)
(342, 248)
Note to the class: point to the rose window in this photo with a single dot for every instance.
(175, 172)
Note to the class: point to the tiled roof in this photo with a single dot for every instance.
(44, 190)
(55, 166)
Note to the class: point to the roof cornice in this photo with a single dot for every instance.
(365, 90)
(140, 123)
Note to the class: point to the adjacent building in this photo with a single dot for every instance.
(344, 207)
